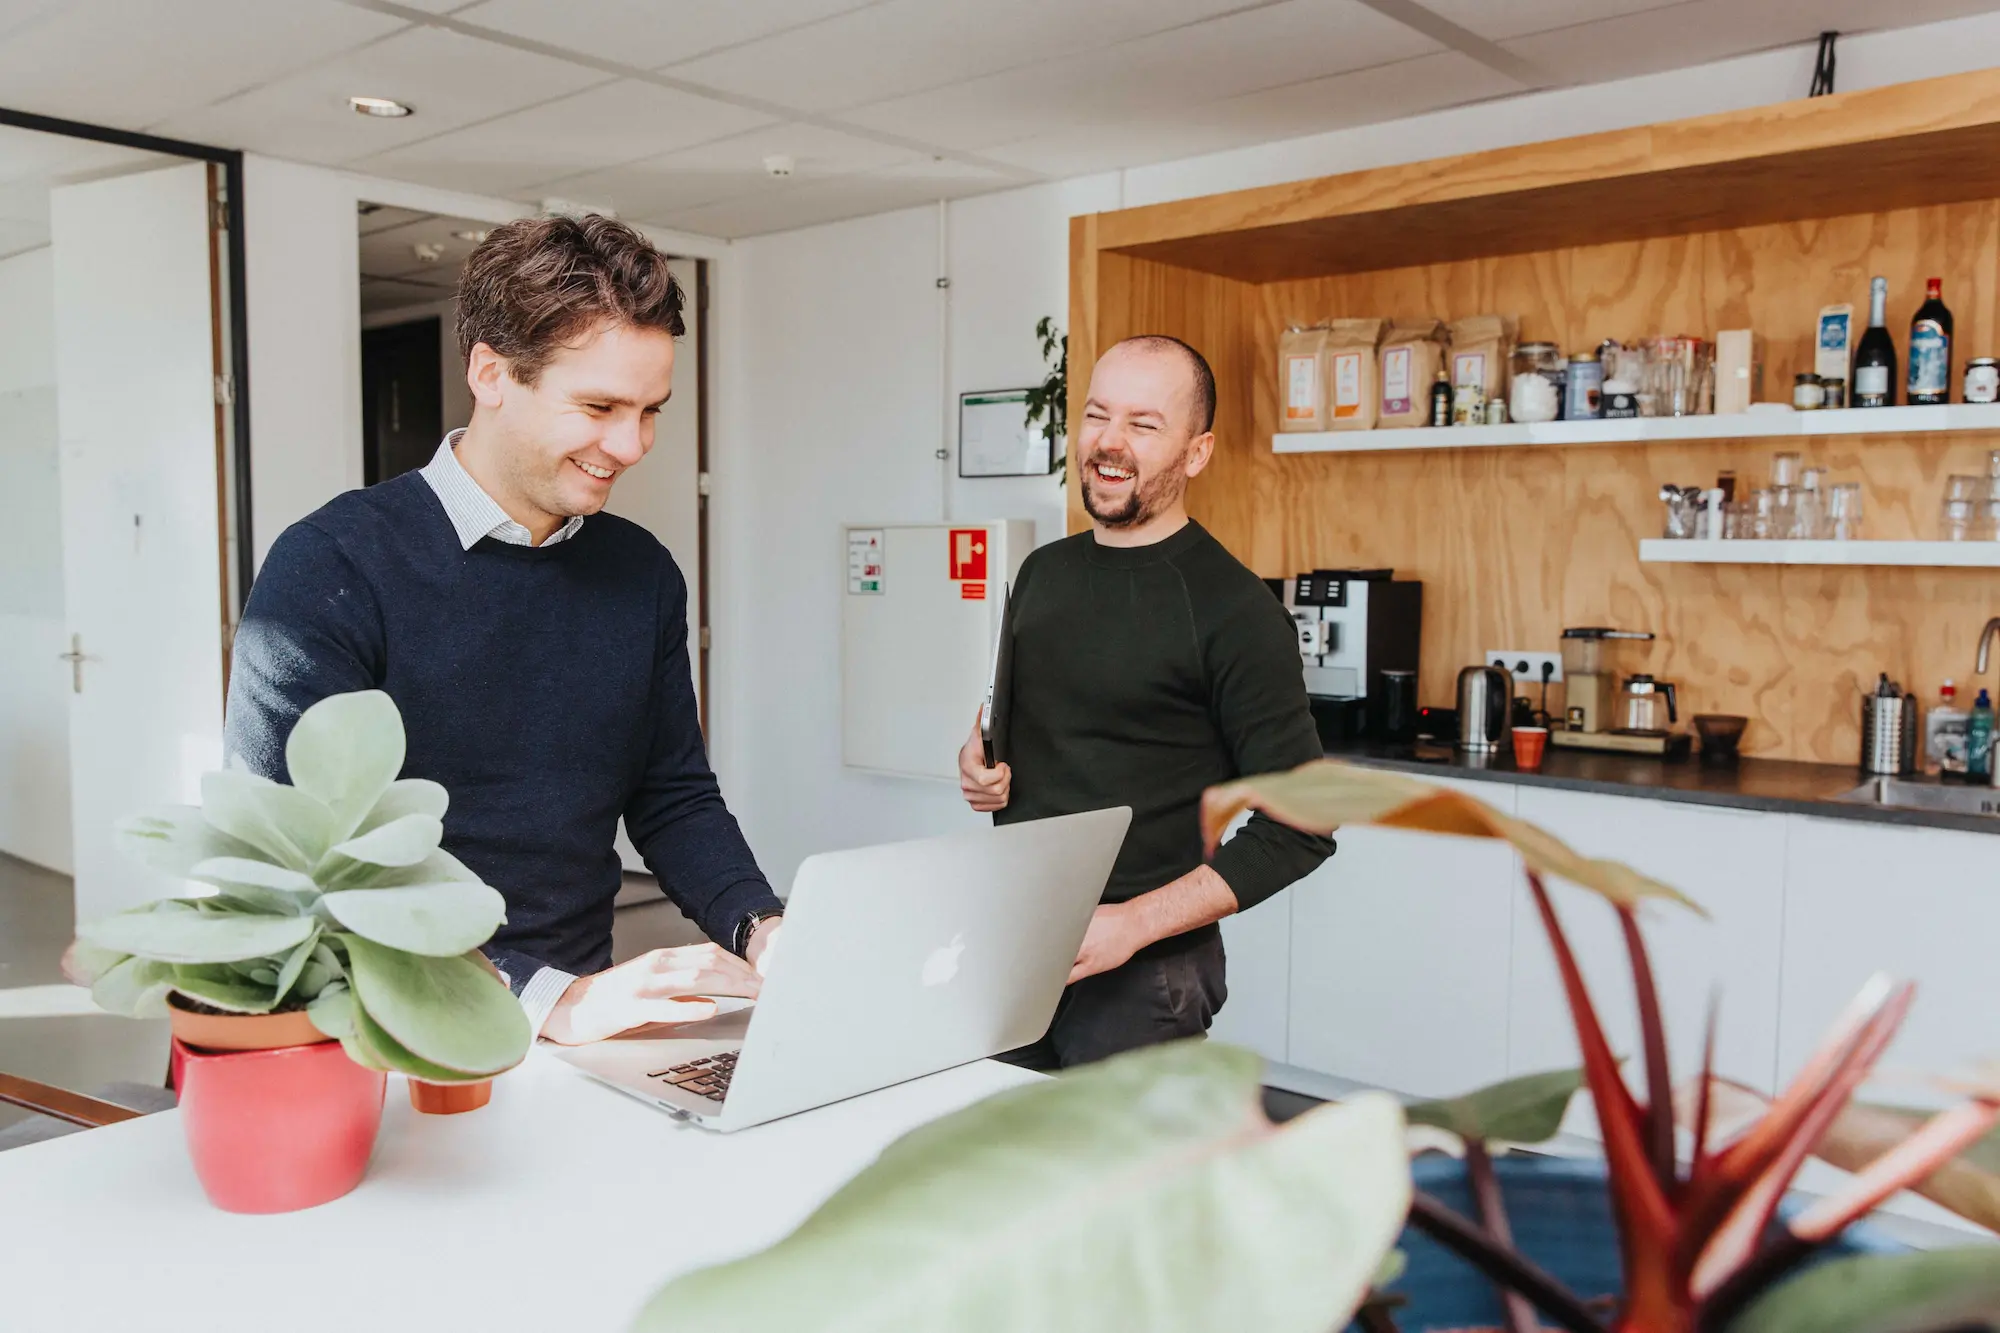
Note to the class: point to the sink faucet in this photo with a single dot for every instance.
(1987, 643)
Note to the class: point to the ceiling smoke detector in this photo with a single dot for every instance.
(428, 251)
(380, 106)
(779, 164)
(474, 237)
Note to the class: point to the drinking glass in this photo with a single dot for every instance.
(1809, 521)
(1955, 520)
(1960, 486)
(1762, 514)
(1844, 512)
(1784, 470)
(1736, 522)
(1993, 464)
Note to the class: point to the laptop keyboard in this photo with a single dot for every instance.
(707, 1077)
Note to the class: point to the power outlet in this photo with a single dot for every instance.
(1526, 668)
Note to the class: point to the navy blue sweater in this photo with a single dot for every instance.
(546, 687)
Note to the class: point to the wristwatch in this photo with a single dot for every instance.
(748, 927)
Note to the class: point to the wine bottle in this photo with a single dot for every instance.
(1930, 348)
(1875, 355)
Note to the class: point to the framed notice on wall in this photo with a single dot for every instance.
(995, 439)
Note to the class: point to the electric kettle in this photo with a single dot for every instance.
(1646, 704)
(1484, 694)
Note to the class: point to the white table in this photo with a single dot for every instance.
(561, 1205)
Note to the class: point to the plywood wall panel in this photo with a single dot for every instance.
(1515, 544)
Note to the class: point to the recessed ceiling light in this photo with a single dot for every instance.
(475, 237)
(379, 106)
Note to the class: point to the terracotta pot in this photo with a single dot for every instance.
(241, 1032)
(276, 1130)
(450, 1098)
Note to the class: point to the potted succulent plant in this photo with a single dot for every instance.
(328, 939)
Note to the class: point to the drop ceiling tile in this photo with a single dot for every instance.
(41, 160)
(809, 204)
(730, 168)
(1165, 73)
(646, 33)
(392, 252)
(901, 47)
(387, 217)
(451, 80)
(1518, 18)
(573, 136)
(134, 63)
(1698, 31)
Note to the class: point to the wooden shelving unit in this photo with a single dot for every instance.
(1910, 555)
(1748, 219)
(1954, 418)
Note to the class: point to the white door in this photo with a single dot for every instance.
(663, 494)
(141, 512)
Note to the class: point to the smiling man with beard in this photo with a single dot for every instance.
(1149, 664)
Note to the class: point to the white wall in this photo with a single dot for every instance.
(34, 685)
(830, 399)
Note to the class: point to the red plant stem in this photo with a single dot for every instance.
(1501, 1263)
(1785, 1253)
(1492, 1209)
(1704, 1099)
(1648, 1231)
(1653, 1036)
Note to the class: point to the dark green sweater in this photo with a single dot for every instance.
(1143, 675)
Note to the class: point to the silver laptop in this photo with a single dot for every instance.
(895, 962)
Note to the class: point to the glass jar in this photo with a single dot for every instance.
(1982, 380)
(1537, 386)
(1808, 394)
(1583, 390)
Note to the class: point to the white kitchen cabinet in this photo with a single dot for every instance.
(1732, 862)
(1258, 944)
(1917, 903)
(1399, 958)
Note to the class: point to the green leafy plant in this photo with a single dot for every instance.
(1147, 1192)
(1698, 1242)
(331, 895)
(1048, 402)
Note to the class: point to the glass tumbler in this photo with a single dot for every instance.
(1785, 469)
(1762, 514)
(1843, 510)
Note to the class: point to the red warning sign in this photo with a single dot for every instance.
(968, 555)
(972, 592)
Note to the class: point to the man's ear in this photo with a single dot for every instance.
(1200, 450)
(486, 375)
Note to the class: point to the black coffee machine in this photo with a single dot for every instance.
(1359, 635)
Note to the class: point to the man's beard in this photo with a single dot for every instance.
(1148, 497)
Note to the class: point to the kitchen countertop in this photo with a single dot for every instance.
(1782, 786)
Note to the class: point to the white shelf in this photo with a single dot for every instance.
(1943, 419)
(1977, 555)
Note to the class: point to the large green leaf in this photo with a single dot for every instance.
(339, 872)
(333, 1012)
(175, 839)
(407, 796)
(346, 750)
(451, 1012)
(1884, 1293)
(217, 985)
(289, 826)
(189, 935)
(136, 988)
(378, 1050)
(1147, 1192)
(86, 962)
(259, 884)
(1528, 1109)
(1325, 795)
(294, 966)
(400, 842)
(437, 920)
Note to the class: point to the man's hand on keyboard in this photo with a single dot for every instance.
(663, 986)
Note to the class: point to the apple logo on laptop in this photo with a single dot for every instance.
(942, 965)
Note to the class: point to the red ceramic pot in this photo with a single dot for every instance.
(278, 1130)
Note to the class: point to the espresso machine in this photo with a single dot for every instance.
(1359, 635)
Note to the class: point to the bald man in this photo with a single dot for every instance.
(1149, 664)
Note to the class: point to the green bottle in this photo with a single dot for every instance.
(1979, 738)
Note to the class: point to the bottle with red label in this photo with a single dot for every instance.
(1930, 348)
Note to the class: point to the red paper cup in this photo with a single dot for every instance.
(1529, 742)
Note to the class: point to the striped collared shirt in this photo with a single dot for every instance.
(474, 513)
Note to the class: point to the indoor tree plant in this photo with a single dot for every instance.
(1048, 402)
(1150, 1192)
(326, 912)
